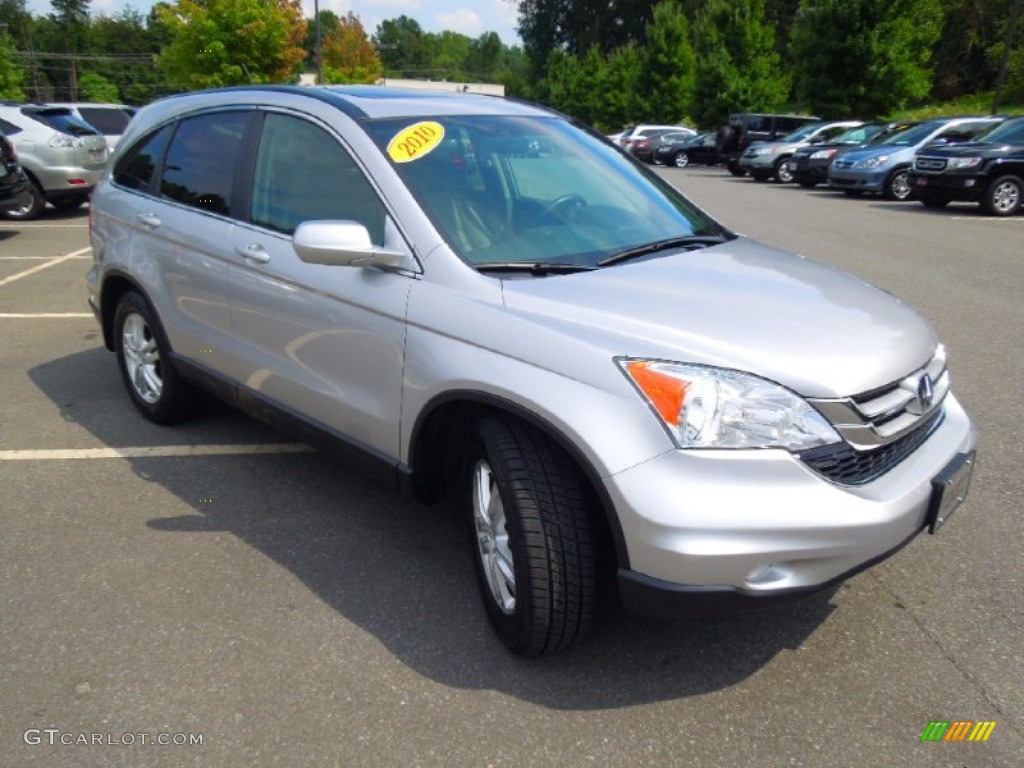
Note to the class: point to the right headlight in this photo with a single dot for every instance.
(872, 162)
(706, 407)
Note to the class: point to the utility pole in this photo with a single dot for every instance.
(319, 57)
(1007, 47)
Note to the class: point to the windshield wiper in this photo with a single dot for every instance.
(535, 267)
(690, 242)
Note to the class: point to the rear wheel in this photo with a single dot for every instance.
(156, 389)
(29, 206)
(1002, 197)
(532, 538)
(681, 160)
(897, 187)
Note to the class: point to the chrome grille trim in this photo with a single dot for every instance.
(929, 164)
(881, 416)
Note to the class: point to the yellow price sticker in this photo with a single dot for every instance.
(414, 142)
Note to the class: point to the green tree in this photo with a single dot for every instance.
(93, 86)
(738, 67)
(349, 57)
(232, 42)
(11, 74)
(890, 41)
(669, 73)
(403, 47)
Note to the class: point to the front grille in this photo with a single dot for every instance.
(882, 426)
(842, 463)
(932, 164)
(842, 165)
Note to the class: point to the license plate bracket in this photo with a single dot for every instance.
(949, 489)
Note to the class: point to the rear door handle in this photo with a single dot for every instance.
(149, 220)
(253, 252)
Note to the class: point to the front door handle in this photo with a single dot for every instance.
(149, 220)
(253, 252)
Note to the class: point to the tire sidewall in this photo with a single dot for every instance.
(35, 207)
(988, 203)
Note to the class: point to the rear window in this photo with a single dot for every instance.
(110, 121)
(9, 129)
(60, 119)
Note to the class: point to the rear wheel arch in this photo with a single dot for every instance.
(445, 427)
(114, 287)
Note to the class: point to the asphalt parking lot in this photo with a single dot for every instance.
(220, 588)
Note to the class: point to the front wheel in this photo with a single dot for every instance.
(1002, 197)
(156, 389)
(682, 160)
(532, 539)
(783, 171)
(898, 185)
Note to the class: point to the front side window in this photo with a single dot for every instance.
(1009, 132)
(137, 168)
(532, 189)
(304, 174)
(201, 161)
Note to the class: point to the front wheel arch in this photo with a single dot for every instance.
(444, 425)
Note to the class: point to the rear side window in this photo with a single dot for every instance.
(107, 120)
(304, 174)
(136, 170)
(9, 129)
(758, 124)
(60, 119)
(201, 161)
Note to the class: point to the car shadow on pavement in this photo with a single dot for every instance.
(402, 571)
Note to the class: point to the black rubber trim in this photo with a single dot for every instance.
(655, 597)
(290, 422)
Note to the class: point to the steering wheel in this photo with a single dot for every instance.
(564, 207)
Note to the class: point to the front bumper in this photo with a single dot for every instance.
(873, 181)
(764, 162)
(805, 169)
(714, 531)
(957, 187)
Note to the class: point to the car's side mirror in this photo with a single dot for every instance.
(344, 244)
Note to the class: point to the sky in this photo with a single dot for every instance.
(470, 17)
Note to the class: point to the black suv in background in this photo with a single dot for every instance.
(746, 128)
(988, 171)
(13, 181)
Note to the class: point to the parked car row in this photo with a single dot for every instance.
(936, 161)
(62, 150)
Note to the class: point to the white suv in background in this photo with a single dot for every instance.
(62, 156)
(108, 119)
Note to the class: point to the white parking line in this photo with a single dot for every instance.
(45, 265)
(152, 451)
(38, 315)
(44, 226)
(34, 258)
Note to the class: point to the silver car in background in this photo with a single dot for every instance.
(488, 303)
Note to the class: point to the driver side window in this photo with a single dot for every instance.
(304, 174)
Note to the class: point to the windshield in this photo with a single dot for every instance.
(859, 135)
(506, 189)
(910, 135)
(1010, 132)
(801, 133)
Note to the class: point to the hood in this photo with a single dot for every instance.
(972, 149)
(740, 305)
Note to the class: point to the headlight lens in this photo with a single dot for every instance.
(872, 162)
(823, 154)
(964, 162)
(705, 407)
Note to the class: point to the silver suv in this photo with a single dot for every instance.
(768, 159)
(488, 303)
(62, 156)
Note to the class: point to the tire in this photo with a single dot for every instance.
(155, 388)
(1002, 196)
(681, 160)
(33, 205)
(933, 202)
(782, 173)
(69, 203)
(734, 169)
(532, 539)
(897, 186)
